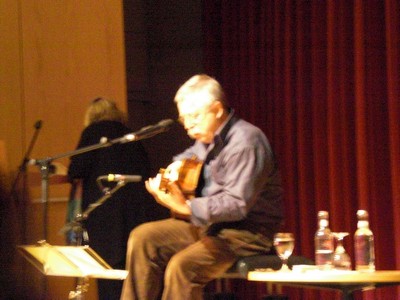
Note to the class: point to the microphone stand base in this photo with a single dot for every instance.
(81, 289)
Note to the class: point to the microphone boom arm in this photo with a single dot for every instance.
(44, 163)
(103, 199)
(76, 224)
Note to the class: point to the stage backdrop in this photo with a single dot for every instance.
(321, 78)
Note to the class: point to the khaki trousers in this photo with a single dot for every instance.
(173, 260)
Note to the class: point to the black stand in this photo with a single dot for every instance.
(44, 165)
(45, 169)
(25, 160)
(77, 227)
(22, 171)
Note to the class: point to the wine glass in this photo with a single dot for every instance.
(341, 260)
(284, 244)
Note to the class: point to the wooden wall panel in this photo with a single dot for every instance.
(11, 106)
(73, 52)
(56, 56)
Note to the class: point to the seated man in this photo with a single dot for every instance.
(234, 213)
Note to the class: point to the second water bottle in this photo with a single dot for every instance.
(324, 242)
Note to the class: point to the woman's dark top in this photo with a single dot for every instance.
(109, 225)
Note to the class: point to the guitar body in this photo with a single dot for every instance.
(186, 176)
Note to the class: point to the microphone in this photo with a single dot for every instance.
(120, 177)
(148, 131)
(38, 124)
(27, 161)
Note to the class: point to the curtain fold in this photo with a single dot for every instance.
(321, 78)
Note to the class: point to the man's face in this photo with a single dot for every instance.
(199, 117)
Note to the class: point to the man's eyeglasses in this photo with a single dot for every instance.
(195, 117)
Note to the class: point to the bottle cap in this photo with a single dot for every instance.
(362, 214)
(323, 214)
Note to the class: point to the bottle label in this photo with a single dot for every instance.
(323, 257)
(364, 250)
(324, 249)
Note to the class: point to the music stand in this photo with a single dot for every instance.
(70, 261)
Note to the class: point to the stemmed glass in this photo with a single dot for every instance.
(341, 260)
(284, 245)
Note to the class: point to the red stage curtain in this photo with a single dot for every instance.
(321, 78)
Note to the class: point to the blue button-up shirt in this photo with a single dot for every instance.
(242, 185)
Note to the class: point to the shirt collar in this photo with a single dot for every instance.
(223, 130)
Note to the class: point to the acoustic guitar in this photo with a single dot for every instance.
(187, 178)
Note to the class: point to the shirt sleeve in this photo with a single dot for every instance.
(236, 180)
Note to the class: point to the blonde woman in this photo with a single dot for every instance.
(108, 226)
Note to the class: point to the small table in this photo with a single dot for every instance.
(345, 281)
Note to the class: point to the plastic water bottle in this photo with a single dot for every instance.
(364, 244)
(324, 242)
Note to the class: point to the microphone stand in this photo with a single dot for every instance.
(21, 170)
(22, 167)
(44, 165)
(20, 197)
(77, 227)
(45, 168)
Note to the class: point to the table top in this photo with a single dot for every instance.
(346, 281)
(333, 276)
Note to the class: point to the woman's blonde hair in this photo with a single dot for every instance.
(102, 109)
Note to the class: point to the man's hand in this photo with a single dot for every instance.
(173, 198)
